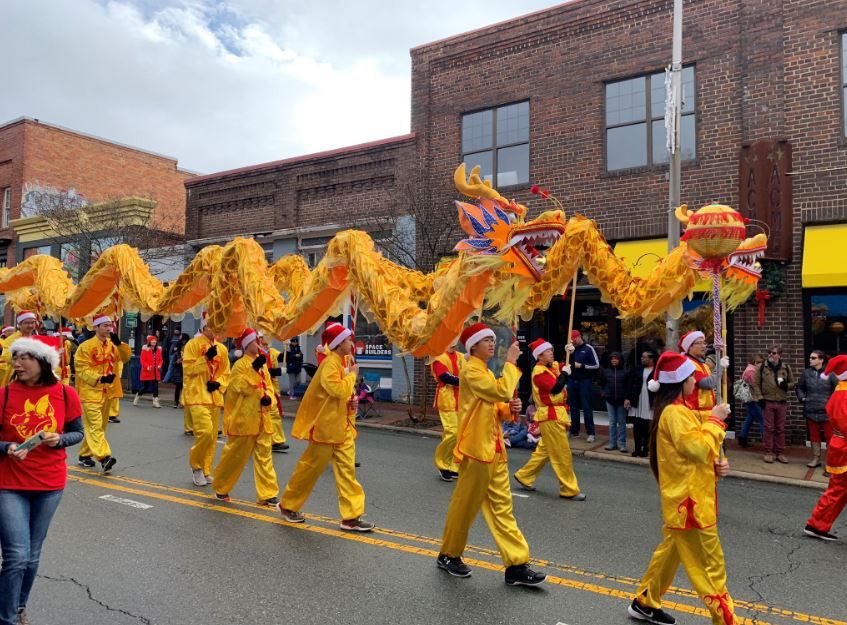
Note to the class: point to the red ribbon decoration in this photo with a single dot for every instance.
(762, 296)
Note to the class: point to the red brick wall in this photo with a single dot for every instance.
(11, 174)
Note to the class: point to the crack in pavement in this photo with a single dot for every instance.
(87, 589)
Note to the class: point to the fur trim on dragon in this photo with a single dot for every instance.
(502, 265)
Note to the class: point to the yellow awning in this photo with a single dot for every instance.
(824, 261)
(641, 258)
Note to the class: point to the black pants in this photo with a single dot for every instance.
(149, 386)
(177, 393)
(641, 432)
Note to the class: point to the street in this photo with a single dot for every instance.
(146, 546)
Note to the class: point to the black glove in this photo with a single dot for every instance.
(281, 357)
(265, 401)
(107, 379)
(212, 386)
(275, 372)
(115, 339)
(259, 361)
(211, 352)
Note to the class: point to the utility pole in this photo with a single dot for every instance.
(673, 120)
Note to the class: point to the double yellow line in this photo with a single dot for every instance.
(206, 501)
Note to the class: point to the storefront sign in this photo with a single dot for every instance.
(373, 348)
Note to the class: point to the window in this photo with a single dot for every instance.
(7, 207)
(844, 82)
(635, 121)
(498, 141)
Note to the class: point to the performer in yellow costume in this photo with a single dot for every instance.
(96, 363)
(27, 325)
(485, 401)
(248, 424)
(205, 370)
(326, 418)
(686, 461)
(445, 369)
(549, 384)
(116, 392)
(275, 362)
(702, 399)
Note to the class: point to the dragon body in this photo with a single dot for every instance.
(503, 264)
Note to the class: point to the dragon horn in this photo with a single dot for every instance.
(474, 186)
(682, 213)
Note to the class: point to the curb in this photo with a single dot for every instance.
(587, 453)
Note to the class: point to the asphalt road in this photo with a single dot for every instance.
(180, 557)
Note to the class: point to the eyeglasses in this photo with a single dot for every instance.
(774, 353)
(814, 358)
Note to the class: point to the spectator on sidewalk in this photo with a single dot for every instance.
(752, 402)
(774, 380)
(293, 365)
(176, 371)
(640, 398)
(814, 389)
(585, 364)
(615, 382)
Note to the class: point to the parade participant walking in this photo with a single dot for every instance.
(834, 499)
(275, 358)
(31, 481)
(686, 461)
(585, 364)
(326, 419)
(485, 401)
(116, 392)
(65, 359)
(96, 363)
(27, 325)
(640, 398)
(293, 365)
(151, 371)
(702, 399)
(445, 369)
(549, 380)
(773, 381)
(814, 390)
(249, 409)
(205, 369)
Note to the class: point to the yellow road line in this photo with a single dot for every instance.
(214, 505)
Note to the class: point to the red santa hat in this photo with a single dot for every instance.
(101, 319)
(687, 340)
(38, 348)
(151, 338)
(25, 315)
(838, 366)
(539, 346)
(671, 368)
(473, 334)
(248, 336)
(67, 332)
(7, 329)
(334, 335)
(575, 334)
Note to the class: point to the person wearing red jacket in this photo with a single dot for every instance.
(834, 499)
(151, 371)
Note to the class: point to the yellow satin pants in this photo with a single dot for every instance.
(204, 422)
(351, 495)
(115, 407)
(94, 420)
(555, 449)
(444, 459)
(234, 458)
(701, 556)
(276, 421)
(187, 425)
(486, 486)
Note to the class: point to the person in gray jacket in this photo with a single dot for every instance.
(813, 390)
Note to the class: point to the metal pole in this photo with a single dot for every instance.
(672, 325)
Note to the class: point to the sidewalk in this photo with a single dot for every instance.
(745, 463)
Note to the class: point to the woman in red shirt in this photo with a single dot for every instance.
(31, 482)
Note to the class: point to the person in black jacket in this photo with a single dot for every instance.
(640, 398)
(615, 382)
(293, 365)
(585, 365)
(814, 390)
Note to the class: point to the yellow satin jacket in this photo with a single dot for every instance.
(550, 406)
(197, 370)
(323, 416)
(447, 396)
(95, 358)
(244, 415)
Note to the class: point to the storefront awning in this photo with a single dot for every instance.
(641, 258)
(824, 262)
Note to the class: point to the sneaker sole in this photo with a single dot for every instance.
(451, 573)
(445, 479)
(513, 582)
(818, 536)
(643, 617)
(289, 520)
(109, 466)
(357, 529)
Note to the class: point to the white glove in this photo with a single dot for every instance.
(725, 362)
(567, 369)
(570, 348)
(780, 380)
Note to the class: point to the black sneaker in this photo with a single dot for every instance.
(279, 448)
(742, 441)
(445, 475)
(651, 615)
(357, 464)
(114, 420)
(357, 525)
(107, 464)
(87, 462)
(454, 566)
(188, 433)
(522, 485)
(816, 533)
(455, 474)
(223, 497)
(273, 502)
(522, 575)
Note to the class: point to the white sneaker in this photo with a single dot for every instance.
(136, 400)
(208, 479)
(198, 477)
(156, 403)
(590, 438)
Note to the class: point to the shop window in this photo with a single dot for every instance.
(635, 121)
(828, 319)
(7, 207)
(497, 139)
(844, 83)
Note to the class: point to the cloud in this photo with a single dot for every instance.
(223, 84)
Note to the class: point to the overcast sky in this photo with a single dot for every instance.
(224, 84)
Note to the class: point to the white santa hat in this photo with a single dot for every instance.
(334, 335)
(687, 340)
(671, 368)
(36, 349)
(539, 346)
(101, 319)
(473, 334)
(7, 329)
(248, 336)
(24, 315)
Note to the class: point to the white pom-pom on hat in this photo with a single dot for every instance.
(653, 385)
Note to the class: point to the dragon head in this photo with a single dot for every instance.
(497, 228)
(743, 264)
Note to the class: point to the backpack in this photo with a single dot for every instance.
(742, 391)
